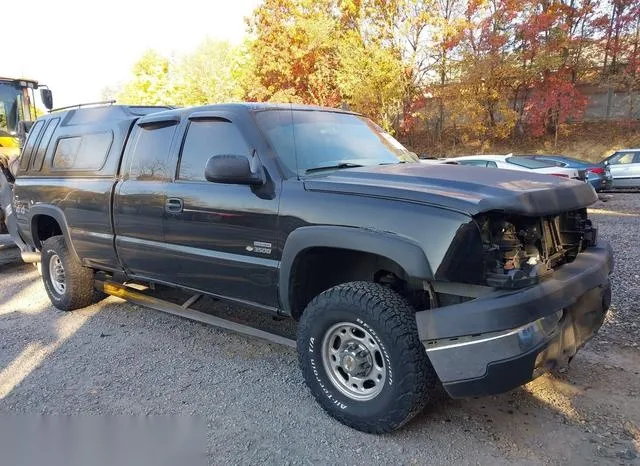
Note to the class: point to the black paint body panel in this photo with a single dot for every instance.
(239, 241)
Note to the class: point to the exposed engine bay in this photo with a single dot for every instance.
(518, 251)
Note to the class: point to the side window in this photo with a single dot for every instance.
(65, 154)
(31, 142)
(86, 152)
(93, 151)
(206, 138)
(637, 158)
(475, 163)
(150, 154)
(44, 144)
(622, 158)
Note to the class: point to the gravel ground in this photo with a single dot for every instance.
(618, 221)
(116, 358)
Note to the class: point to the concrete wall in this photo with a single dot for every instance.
(605, 104)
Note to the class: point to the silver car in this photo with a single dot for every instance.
(625, 168)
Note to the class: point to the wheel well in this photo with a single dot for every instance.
(43, 228)
(318, 269)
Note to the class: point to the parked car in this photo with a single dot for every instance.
(512, 162)
(433, 160)
(625, 168)
(597, 175)
(404, 277)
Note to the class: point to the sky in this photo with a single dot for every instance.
(79, 47)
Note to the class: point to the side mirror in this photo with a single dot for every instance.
(47, 98)
(234, 169)
(606, 162)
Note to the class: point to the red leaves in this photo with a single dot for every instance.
(554, 101)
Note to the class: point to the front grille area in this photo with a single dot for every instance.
(519, 251)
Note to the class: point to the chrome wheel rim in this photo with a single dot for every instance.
(56, 274)
(353, 360)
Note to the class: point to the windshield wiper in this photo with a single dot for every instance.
(334, 167)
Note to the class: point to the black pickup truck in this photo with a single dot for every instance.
(403, 276)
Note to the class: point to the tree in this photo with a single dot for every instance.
(460, 70)
(554, 102)
(294, 52)
(206, 75)
(372, 79)
(151, 83)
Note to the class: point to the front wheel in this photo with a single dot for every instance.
(362, 359)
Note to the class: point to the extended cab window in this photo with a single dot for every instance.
(86, 152)
(44, 144)
(31, 142)
(149, 159)
(206, 138)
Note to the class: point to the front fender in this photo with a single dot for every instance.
(404, 251)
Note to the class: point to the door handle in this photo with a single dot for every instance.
(173, 205)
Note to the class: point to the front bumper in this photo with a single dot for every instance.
(504, 339)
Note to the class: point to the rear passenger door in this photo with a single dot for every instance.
(625, 169)
(634, 171)
(139, 200)
(220, 237)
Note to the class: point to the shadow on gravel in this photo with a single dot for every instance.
(539, 421)
(26, 310)
(12, 279)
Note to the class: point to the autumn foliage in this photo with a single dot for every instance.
(445, 70)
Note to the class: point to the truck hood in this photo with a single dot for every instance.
(467, 189)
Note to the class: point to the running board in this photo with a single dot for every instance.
(134, 296)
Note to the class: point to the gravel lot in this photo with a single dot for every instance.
(116, 358)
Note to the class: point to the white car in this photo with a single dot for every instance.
(511, 162)
(439, 160)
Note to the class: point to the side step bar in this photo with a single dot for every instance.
(134, 296)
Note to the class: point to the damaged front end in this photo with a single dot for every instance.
(529, 292)
(518, 251)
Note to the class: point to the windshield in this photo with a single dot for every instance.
(10, 107)
(309, 140)
(529, 163)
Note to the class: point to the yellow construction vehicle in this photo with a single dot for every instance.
(18, 111)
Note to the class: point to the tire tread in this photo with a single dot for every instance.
(395, 316)
(79, 279)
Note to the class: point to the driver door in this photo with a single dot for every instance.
(221, 238)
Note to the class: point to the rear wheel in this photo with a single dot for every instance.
(362, 359)
(68, 284)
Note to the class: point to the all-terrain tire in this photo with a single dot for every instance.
(79, 281)
(410, 379)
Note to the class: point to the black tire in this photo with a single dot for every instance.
(79, 280)
(410, 379)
